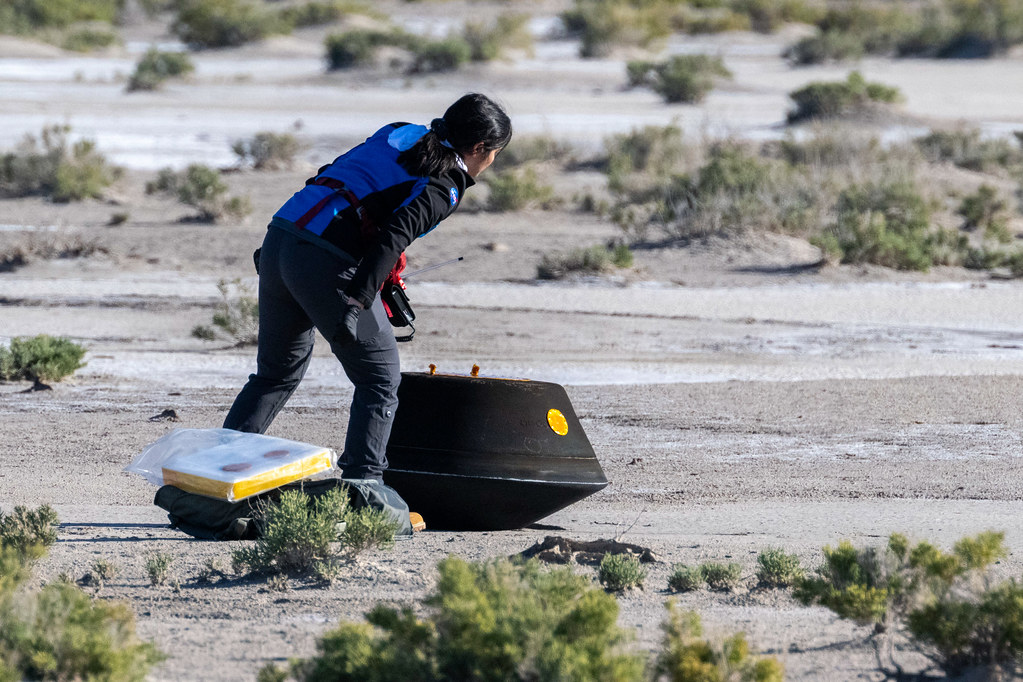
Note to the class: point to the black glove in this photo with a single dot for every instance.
(255, 259)
(348, 331)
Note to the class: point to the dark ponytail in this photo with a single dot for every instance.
(474, 118)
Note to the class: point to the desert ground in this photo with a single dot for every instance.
(737, 398)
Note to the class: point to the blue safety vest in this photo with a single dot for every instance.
(367, 178)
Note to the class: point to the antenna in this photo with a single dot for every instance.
(433, 267)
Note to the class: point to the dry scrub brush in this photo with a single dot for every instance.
(505, 621)
(604, 26)
(53, 166)
(202, 188)
(57, 632)
(946, 605)
(301, 534)
(859, 200)
(49, 246)
(267, 150)
(156, 67)
(236, 316)
(478, 41)
(682, 78)
(930, 28)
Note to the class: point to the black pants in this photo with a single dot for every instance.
(300, 288)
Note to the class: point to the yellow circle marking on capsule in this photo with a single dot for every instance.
(557, 421)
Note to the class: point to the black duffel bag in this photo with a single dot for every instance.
(208, 518)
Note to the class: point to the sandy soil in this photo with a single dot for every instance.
(736, 399)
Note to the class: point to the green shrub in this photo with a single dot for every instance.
(53, 167)
(1014, 261)
(156, 67)
(885, 224)
(984, 209)
(84, 175)
(594, 260)
(209, 572)
(685, 578)
(40, 358)
(682, 78)
(982, 28)
(840, 98)
(849, 31)
(720, 21)
(603, 25)
(297, 533)
(941, 28)
(944, 603)
(368, 528)
(58, 632)
(202, 188)
(434, 56)
(965, 148)
(620, 572)
(89, 38)
(236, 316)
(537, 149)
(984, 258)
(651, 152)
(488, 40)
(157, 565)
(723, 577)
(25, 16)
(267, 150)
(735, 190)
(223, 23)
(775, 568)
(104, 570)
(686, 657)
(494, 621)
(358, 47)
(766, 16)
(832, 149)
(825, 46)
(314, 13)
(516, 189)
(28, 532)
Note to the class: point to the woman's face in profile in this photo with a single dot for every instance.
(479, 159)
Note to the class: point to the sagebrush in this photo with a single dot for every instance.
(832, 99)
(777, 568)
(202, 188)
(594, 260)
(267, 150)
(619, 572)
(158, 66)
(505, 621)
(53, 166)
(224, 23)
(518, 188)
(236, 316)
(944, 604)
(57, 632)
(302, 535)
(493, 621)
(42, 358)
(685, 656)
(685, 578)
(682, 78)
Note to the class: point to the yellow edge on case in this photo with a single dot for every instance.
(248, 487)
